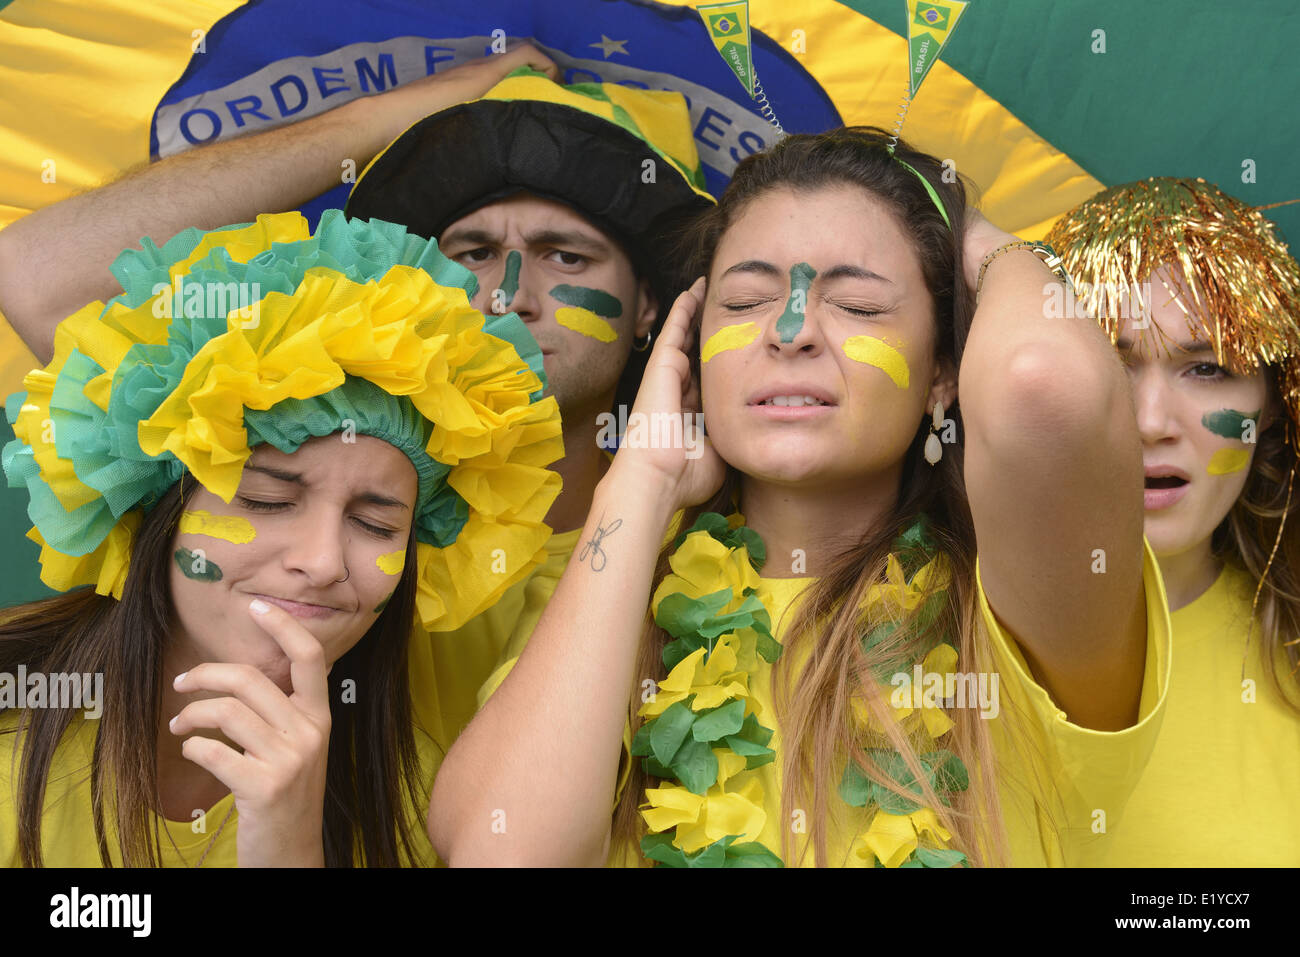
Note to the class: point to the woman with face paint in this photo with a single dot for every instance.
(827, 674)
(1202, 299)
(269, 454)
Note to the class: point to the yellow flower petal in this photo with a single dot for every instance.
(891, 838)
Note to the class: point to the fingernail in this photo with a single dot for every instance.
(258, 607)
(172, 723)
(178, 679)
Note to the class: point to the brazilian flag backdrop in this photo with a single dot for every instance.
(1039, 103)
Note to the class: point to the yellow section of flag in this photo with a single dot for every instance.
(81, 82)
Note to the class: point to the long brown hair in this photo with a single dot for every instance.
(373, 781)
(1261, 532)
(814, 706)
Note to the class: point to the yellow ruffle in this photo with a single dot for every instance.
(703, 819)
(712, 682)
(105, 567)
(243, 244)
(893, 837)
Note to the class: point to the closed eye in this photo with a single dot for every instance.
(377, 530)
(257, 505)
(741, 306)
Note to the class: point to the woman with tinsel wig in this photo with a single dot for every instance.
(1202, 298)
(829, 676)
(264, 458)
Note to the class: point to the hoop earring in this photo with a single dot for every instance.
(640, 348)
(340, 581)
(933, 447)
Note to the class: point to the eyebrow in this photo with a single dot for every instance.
(1191, 347)
(544, 237)
(479, 237)
(853, 272)
(754, 266)
(835, 272)
(295, 478)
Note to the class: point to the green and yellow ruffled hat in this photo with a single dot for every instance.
(265, 332)
(585, 144)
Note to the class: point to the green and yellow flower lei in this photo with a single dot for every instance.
(703, 733)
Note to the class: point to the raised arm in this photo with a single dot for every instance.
(531, 780)
(1054, 477)
(55, 260)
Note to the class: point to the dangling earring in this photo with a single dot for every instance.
(933, 447)
(642, 348)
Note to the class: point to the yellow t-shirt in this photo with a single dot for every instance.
(1221, 787)
(448, 668)
(1053, 775)
(68, 827)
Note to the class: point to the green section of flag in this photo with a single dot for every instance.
(1222, 92)
(923, 53)
(22, 577)
(737, 58)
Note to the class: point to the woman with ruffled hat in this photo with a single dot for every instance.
(263, 495)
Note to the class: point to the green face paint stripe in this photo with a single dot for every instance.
(791, 321)
(510, 282)
(382, 605)
(593, 300)
(187, 560)
(1229, 423)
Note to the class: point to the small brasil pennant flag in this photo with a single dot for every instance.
(728, 26)
(929, 25)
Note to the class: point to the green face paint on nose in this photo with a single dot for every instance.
(1229, 423)
(510, 282)
(790, 322)
(593, 300)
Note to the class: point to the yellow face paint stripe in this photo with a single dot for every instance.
(585, 322)
(735, 336)
(1225, 461)
(393, 562)
(876, 352)
(228, 528)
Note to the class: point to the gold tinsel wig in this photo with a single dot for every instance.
(1243, 284)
